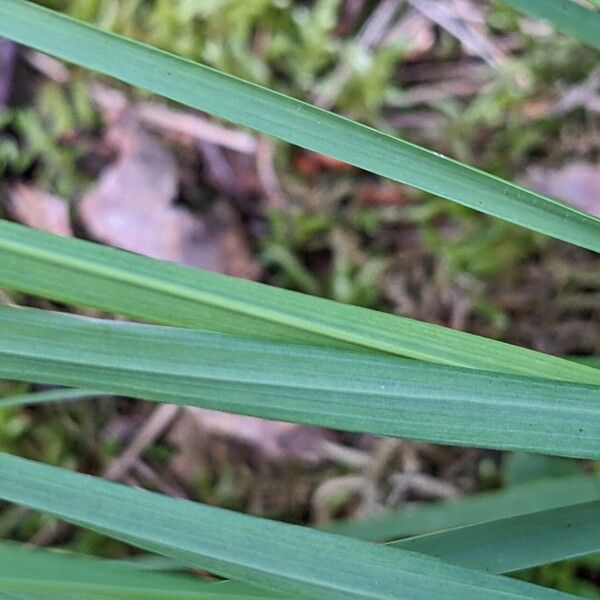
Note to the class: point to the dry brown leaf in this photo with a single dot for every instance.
(418, 33)
(132, 207)
(39, 209)
(311, 164)
(275, 440)
(576, 183)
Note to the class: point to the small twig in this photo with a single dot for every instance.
(144, 471)
(48, 534)
(186, 124)
(385, 450)
(371, 34)
(468, 35)
(344, 454)
(349, 484)
(423, 119)
(49, 67)
(376, 25)
(463, 68)
(154, 427)
(420, 484)
(267, 174)
(195, 126)
(420, 94)
(220, 173)
(411, 463)
(585, 94)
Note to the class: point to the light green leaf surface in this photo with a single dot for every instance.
(517, 500)
(566, 15)
(341, 389)
(516, 543)
(152, 562)
(253, 106)
(82, 273)
(36, 589)
(590, 361)
(68, 394)
(47, 397)
(284, 558)
(31, 571)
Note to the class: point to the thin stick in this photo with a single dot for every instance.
(154, 427)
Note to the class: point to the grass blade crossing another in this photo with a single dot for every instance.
(526, 498)
(82, 273)
(283, 558)
(39, 571)
(516, 543)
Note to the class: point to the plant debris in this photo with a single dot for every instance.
(39, 209)
(576, 183)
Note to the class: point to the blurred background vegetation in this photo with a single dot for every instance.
(83, 155)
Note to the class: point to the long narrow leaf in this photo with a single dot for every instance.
(152, 562)
(284, 558)
(341, 389)
(291, 120)
(514, 501)
(48, 397)
(516, 543)
(513, 543)
(498, 546)
(34, 589)
(566, 15)
(83, 273)
(29, 571)
(590, 361)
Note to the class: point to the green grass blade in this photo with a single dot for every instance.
(42, 590)
(566, 15)
(35, 589)
(341, 389)
(276, 556)
(514, 501)
(152, 562)
(498, 546)
(291, 120)
(48, 397)
(516, 543)
(590, 361)
(67, 395)
(29, 571)
(82, 273)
